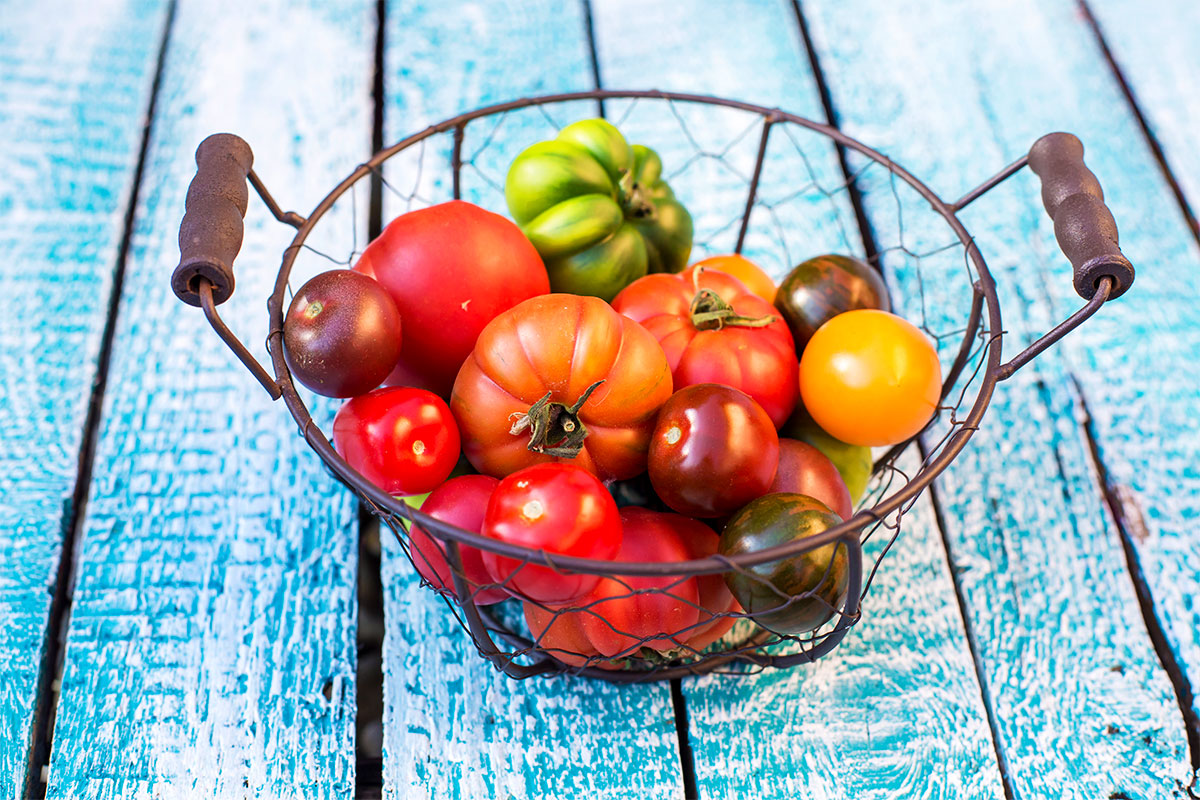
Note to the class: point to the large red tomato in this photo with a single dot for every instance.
(618, 617)
(715, 330)
(561, 377)
(462, 502)
(450, 268)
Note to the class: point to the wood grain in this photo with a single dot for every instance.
(453, 726)
(72, 101)
(1084, 708)
(896, 709)
(211, 649)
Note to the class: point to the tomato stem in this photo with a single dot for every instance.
(710, 312)
(554, 428)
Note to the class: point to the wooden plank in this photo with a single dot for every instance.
(896, 710)
(211, 648)
(1079, 695)
(453, 726)
(1154, 45)
(72, 102)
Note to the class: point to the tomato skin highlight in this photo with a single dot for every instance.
(713, 450)
(450, 268)
(870, 378)
(400, 438)
(759, 360)
(462, 502)
(803, 469)
(560, 345)
(561, 509)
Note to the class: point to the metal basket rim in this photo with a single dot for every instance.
(848, 530)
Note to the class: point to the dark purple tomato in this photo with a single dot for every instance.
(803, 469)
(793, 595)
(341, 335)
(819, 289)
(713, 450)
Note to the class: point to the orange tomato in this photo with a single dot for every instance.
(870, 378)
(744, 270)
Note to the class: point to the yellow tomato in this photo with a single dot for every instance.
(870, 378)
(744, 270)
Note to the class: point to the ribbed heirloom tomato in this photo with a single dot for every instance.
(715, 330)
(561, 377)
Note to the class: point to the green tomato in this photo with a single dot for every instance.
(814, 581)
(597, 210)
(853, 461)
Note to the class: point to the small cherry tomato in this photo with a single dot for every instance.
(714, 449)
(741, 268)
(341, 335)
(404, 440)
(803, 469)
(558, 508)
(461, 502)
(870, 378)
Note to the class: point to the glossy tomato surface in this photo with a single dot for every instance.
(742, 268)
(714, 449)
(450, 269)
(556, 508)
(793, 595)
(819, 289)
(554, 349)
(870, 378)
(402, 439)
(341, 334)
(715, 330)
(803, 469)
(853, 461)
(461, 502)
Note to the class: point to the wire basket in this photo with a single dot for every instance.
(785, 199)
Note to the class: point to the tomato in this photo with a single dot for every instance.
(341, 334)
(561, 377)
(803, 469)
(717, 604)
(620, 616)
(793, 595)
(461, 502)
(870, 378)
(820, 288)
(715, 330)
(713, 450)
(853, 461)
(450, 268)
(742, 268)
(556, 508)
(402, 439)
(597, 210)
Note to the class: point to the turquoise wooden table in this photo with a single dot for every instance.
(180, 612)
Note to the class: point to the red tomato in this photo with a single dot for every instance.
(714, 449)
(870, 378)
(536, 362)
(715, 597)
(704, 347)
(461, 502)
(561, 509)
(403, 440)
(619, 617)
(803, 469)
(450, 268)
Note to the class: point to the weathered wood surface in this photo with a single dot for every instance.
(211, 650)
(896, 710)
(73, 97)
(1084, 708)
(453, 726)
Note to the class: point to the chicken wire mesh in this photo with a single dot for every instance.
(775, 187)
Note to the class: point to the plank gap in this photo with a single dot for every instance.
(1127, 525)
(1144, 124)
(687, 761)
(59, 621)
(831, 116)
(375, 214)
(593, 53)
(968, 628)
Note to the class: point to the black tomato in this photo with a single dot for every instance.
(819, 289)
